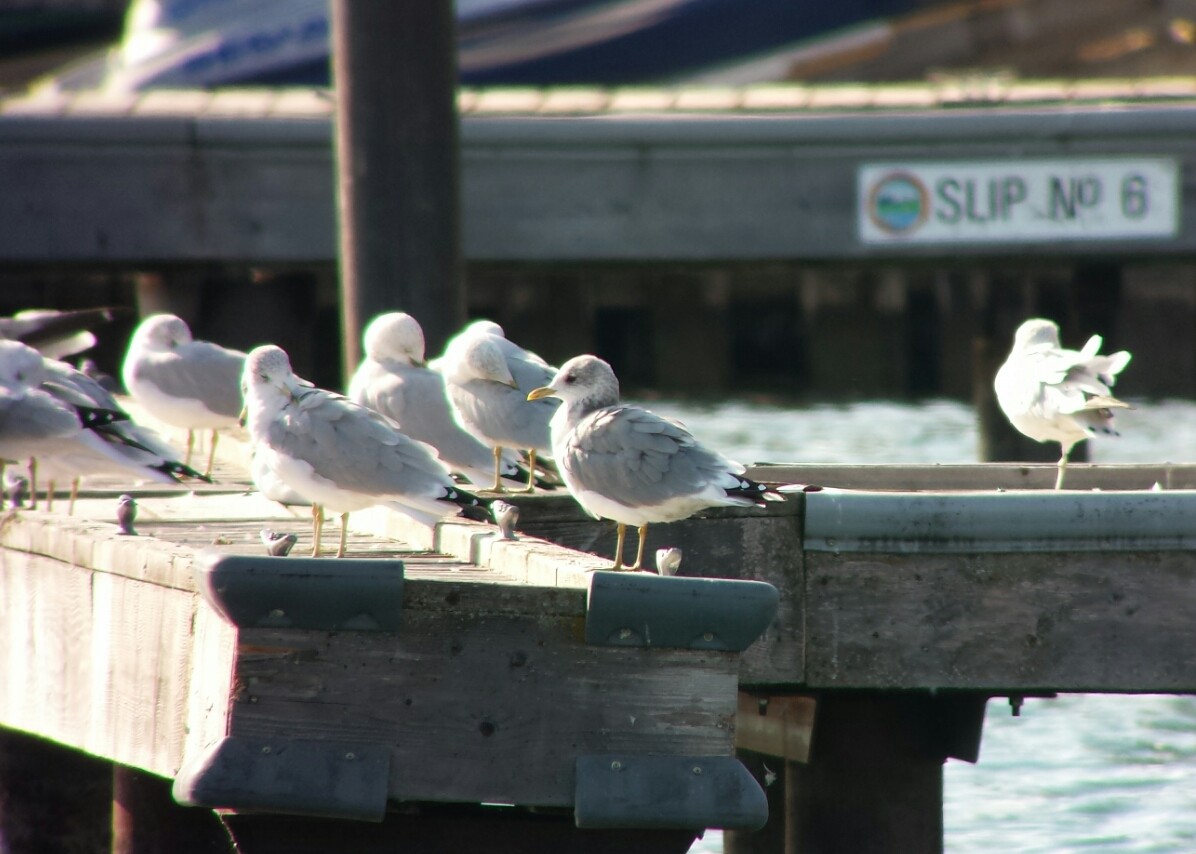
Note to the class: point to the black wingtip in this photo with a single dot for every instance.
(471, 506)
(178, 471)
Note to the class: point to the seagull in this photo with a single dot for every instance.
(54, 333)
(394, 380)
(184, 382)
(52, 412)
(1052, 394)
(625, 463)
(488, 379)
(339, 454)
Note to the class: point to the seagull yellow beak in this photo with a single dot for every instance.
(542, 391)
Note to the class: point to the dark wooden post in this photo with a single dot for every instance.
(51, 798)
(394, 65)
(146, 819)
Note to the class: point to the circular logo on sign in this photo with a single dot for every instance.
(898, 203)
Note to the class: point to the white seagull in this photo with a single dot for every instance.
(184, 382)
(488, 379)
(53, 413)
(338, 454)
(625, 463)
(394, 380)
(1052, 394)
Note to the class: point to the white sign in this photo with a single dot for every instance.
(1018, 201)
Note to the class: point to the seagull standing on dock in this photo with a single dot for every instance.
(338, 454)
(488, 379)
(1052, 394)
(52, 413)
(184, 382)
(625, 463)
(394, 380)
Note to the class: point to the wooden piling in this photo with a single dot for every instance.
(51, 798)
(146, 819)
(394, 66)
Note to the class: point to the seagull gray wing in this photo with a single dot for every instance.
(637, 458)
(35, 417)
(200, 370)
(420, 402)
(529, 371)
(503, 415)
(356, 448)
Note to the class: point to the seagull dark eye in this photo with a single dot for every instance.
(570, 379)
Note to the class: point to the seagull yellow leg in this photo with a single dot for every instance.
(639, 553)
(1062, 468)
(190, 444)
(497, 471)
(531, 470)
(33, 483)
(620, 535)
(70, 508)
(344, 530)
(211, 455)
(317, 524)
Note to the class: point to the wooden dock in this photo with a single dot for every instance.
(458, 682)
(427, 675)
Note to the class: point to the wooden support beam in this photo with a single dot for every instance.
(428, 829)
(146, 819)
(394, 65)
(52, 798)
(874, 781)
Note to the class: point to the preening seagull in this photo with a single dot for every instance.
(184, 382)
(488, 379)
(1053, 394)
(628, 464)
(394, 380)
(339, 454)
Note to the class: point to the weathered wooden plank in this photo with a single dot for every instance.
(472, 705)
(435, 829)
(981, 476)
(94, 660)
(534, 188)
(1081, 621)
(778, 726)
(752, 544)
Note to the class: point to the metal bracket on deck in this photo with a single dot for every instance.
(638, 609)
(280, 776)
(667, 792)
(303, 593)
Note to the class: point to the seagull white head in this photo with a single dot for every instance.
(268, 383)
(484, 327)
(1036, 332)
(21, 367)
(479, 357)
(162, 332)
(585, 380)
(394, 337)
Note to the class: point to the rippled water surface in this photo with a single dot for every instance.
(1086, 773)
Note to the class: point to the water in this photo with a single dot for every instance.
(1091, 773)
